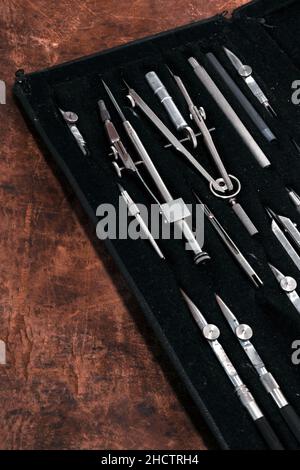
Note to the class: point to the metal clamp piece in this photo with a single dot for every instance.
(175, 210)
(273, 388)
(249, 403)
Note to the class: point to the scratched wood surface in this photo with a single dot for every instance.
(83, 371)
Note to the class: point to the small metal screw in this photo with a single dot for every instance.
(288, 284)
(70, 117)
(245, 71)
(211, 332)
(244, 332)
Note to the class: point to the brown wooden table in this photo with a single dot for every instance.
(83, 370)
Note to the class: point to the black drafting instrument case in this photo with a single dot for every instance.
(265, 35)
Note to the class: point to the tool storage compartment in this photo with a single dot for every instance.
(261, 38)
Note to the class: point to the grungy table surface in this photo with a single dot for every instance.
(83, 371)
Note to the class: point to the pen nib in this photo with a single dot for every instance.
(270, 213)
(126, 84)
(173, 75)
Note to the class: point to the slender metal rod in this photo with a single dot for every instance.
(135, 212)
(231, 246)
(227, 109)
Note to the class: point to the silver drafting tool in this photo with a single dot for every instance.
(183, 212)
(71, 120)
(117, 146)
(288, 226)
(118, 149)
(279, 234)
(245, 71)
(229, 243)
(135, 212)
(231, 115)
(199, 116)
(244, 333)
(295, 198)
(211, 333)
(244, 102)
(218, 187)
(174, 114)
(136, 100)
(289, 285)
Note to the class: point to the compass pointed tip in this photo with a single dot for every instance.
(228, 51)
(185, 296)
(223, 306)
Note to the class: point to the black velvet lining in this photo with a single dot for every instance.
(282, 25)
(77, 86)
